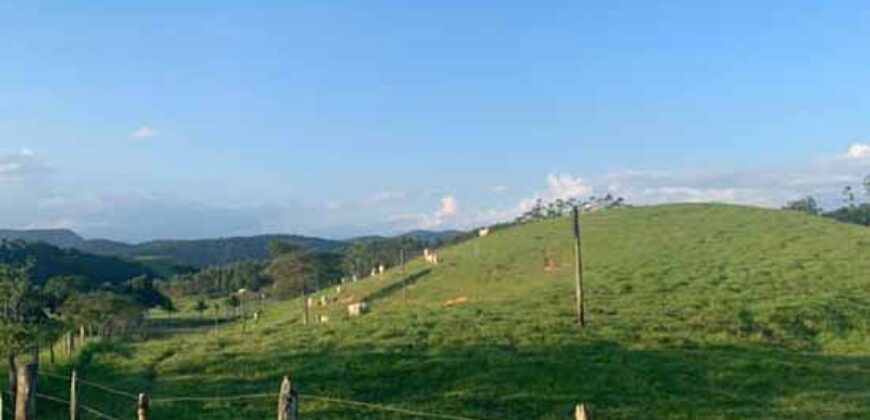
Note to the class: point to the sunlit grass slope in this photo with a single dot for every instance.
(695, 311)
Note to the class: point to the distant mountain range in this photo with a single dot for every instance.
(195, 253)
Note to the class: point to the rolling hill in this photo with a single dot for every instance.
(694, 311)
(61, 238)
(183, 253)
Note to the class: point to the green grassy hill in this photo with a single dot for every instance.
(695, 311)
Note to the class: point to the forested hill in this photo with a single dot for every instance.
(58, 237)
(193, 253)
(209, 252)
(49, 261)
(202, 252)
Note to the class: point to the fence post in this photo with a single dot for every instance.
(578, 270)
(70, 344)
(73, 403)
(305, 309)
(581, 412)
(142, 407)
(288, 401)
(26, 383)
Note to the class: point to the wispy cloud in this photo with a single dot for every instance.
(384, 196)
(823, 178)
(144, 132)
(20, 165)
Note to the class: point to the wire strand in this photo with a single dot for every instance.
(386, 408)
(100, 386)
(170, 400)
(82, 406)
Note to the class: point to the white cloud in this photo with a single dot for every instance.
(858, 151)
(27, 152)
(565, 186)
(448, 206)
(144, 132)
(500, 189)
(9, 168)
(447, 211)
(559, 186)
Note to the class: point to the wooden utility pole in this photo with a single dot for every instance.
(142, 407)
(73, 398)
(578, 270)
(26, 382)
(288, 401)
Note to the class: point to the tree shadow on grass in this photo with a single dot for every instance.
(407, 281)
(164, 326)
(491, 382)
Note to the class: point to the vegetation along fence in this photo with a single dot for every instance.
(288, 402)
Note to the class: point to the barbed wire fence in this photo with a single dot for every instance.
(286, 397)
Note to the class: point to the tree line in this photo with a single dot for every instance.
(292, 270)
(854, 209)
(542, 210)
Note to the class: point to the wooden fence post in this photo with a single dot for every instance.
(305, 309)
(70, 344)
(288, 401)
(142, 407)
(73, 397)
(581, 412)
(578, 270)
(26, 384)
(12, 378)
(216, 314)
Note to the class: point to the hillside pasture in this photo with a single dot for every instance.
(695, 311)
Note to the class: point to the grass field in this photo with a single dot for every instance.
(695, 311)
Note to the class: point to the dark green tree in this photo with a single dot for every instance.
(807, 205)
(200, 307)
(25, 324)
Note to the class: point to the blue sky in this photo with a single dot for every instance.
(165, 119)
